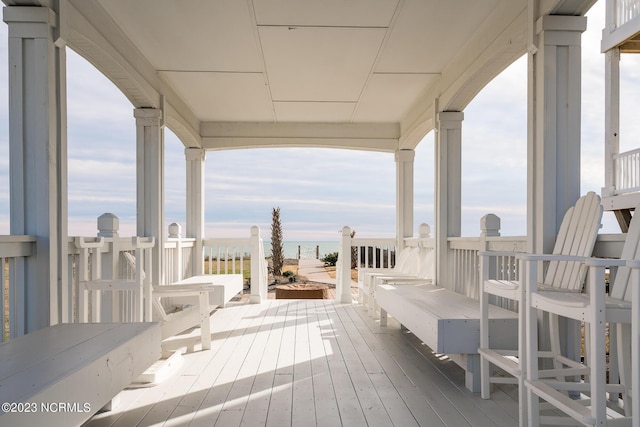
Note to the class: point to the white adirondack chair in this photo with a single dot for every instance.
(595, 308)
(131, 297)
(576, 238)
(187, 317)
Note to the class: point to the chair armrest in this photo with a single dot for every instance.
(605, 262)
(554, 257)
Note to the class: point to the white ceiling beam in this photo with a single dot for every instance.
(357, 136)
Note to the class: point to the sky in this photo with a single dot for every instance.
(320, 190)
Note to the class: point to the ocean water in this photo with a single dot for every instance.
(304, 249)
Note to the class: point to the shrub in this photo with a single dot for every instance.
(331, 259)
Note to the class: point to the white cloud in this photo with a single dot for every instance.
(320, 190)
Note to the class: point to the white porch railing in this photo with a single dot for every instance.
(13, 251)
(244, 256)
(462, 257)
(220, 256)
(627, 171)
(625, 11)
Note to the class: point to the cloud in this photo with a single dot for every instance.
(321, 190)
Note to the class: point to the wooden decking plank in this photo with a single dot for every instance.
(205, 365)
(279, 412)
(472, 405)
(392, 402)
(303, 411)
(240, 370)
(453, 403)
(223, 373)
(424, 377)
(162, 409)
(421, 409)
(350, 371)
(257, 409)
(326, 405)
(351, 413)
(136, 403)
(281, 401)
(372, 407)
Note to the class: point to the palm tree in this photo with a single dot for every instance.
(277, 252)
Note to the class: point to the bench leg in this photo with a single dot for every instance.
(205, 324)
(383, 317)
(472, 373)
(113, 404)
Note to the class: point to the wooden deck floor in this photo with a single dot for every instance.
(305, 363)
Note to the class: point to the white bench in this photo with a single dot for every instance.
(62, 375)
(223, 286)
(447, 322)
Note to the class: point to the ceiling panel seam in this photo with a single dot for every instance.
(387, 35)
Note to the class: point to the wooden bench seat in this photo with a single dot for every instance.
(68, 372)
(447, 322)
(224, 286)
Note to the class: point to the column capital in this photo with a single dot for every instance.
(450, 119)
(195, 154)
(27, 21)
(561, 23)
(405, 155)
(148, 116)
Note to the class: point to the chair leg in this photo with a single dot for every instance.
(623, 350)
(533, 402)
(383, 317)
(485, 373)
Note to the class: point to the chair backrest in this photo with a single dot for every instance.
(577, 236)
(427, 264)
(406, 256)
(621, 286)
(410, 264)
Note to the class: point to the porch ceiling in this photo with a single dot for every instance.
(232, 74)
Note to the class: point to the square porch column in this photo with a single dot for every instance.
(150, 184)
(554, 126)
(195, 203)
(553, 152)
(448, 181)
(404, 195)
(38, 162)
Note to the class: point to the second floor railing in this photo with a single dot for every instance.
(627, 171)
(625, 11)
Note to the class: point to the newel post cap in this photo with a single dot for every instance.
(490, 225)
(175, 230)
(108, 225)
(424, 230)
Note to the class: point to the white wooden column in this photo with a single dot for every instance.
(195, 203)
(150, 184)
(448, 155)
(611, 118)
(554, 126)
(553, 153)
(404, 195)
(38, 161)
